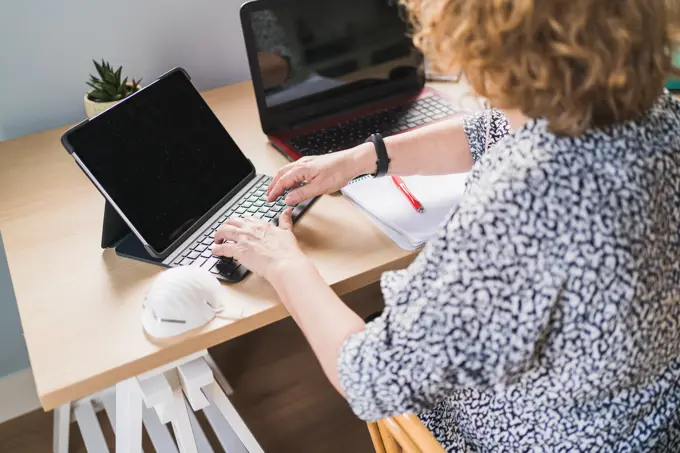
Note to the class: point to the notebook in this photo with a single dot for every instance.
(401, 241)
(387, 206)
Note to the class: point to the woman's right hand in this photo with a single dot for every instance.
(321, 174)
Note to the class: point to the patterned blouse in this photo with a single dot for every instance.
(545, 313)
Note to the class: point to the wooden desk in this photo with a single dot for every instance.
(80, 306)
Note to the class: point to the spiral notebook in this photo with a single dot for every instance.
(387, 206)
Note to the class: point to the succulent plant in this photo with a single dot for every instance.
(108, 87)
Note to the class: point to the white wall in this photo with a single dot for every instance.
(46, 48)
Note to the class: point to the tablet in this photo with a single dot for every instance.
(162, 159)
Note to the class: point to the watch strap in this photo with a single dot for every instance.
(383, 160)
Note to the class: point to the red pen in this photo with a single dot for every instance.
(411, 198)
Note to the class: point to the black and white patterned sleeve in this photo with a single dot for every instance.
(468, 312)
(476, 126)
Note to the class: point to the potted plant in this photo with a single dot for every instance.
(107, 89)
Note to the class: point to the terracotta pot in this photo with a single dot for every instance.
(93, 108)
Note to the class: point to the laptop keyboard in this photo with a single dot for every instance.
(252, 204)
(386, 122)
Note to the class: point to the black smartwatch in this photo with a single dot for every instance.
(383, 161)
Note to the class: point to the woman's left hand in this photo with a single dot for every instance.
(262, 247)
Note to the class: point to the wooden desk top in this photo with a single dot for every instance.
(80, 306)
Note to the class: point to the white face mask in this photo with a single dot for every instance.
(181, 299)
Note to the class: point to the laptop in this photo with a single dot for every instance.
(327, 75)
(172, 172)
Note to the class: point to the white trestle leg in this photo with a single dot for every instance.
(166, 397)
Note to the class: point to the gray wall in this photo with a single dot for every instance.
(13, 356)
(46, 48)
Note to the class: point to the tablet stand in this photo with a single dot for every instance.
(117, 235)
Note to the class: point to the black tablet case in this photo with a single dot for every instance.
(117, 235)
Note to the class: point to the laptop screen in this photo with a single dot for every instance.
(163, 158)
(323, 55)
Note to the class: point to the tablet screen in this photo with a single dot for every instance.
(163, 158)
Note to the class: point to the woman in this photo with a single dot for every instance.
(545, 313)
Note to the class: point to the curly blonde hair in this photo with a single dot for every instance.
(578, 63)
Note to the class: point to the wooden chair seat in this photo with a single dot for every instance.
(403, 433)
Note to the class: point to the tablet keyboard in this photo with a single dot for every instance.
(253, 204)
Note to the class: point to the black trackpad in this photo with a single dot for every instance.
(230, 270)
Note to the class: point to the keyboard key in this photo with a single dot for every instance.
(211, 236)
(200, 247)
(258, 215)
(223, 218)
(199, 261)
(210, 262)
(186, 262)
(208, 240)
(271, 214)
(207, 253)
(193, 255)
(241, 210)
(277, 208)
(259, 203)
(247, 204)
(264, 209)
(185, 253)
(178, 260)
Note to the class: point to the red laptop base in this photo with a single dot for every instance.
(280, 142)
